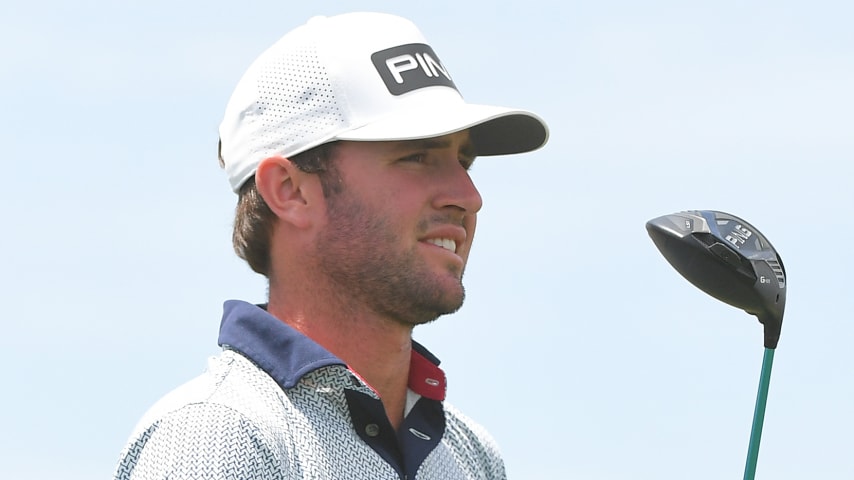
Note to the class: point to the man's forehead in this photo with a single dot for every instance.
(460, 142)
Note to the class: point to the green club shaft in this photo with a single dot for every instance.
(759, 415)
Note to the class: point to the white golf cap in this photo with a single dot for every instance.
(362, 77)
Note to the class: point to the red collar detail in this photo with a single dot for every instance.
(426, 378)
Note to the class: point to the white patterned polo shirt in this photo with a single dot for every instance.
(276, 405)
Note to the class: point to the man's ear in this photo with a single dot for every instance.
(291, 194)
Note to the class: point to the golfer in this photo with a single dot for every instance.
(348, 145)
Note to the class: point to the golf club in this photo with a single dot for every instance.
(730, 260)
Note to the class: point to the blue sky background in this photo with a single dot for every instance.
(580, 348)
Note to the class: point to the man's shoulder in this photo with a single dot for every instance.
(462, 425)
(230, 381)
(201, 440)
(471, 442)
(221, 418)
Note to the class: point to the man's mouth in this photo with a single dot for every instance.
(445, 243)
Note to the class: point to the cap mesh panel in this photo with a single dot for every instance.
(296, 100)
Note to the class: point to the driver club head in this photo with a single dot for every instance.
(727, 258)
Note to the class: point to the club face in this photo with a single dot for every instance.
(727, 258)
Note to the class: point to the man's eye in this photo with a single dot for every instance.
(415, 158)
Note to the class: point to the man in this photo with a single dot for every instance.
(348, 144)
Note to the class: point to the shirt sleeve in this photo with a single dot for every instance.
(203, 441)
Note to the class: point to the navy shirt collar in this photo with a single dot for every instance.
(287, 355)
(280, 350)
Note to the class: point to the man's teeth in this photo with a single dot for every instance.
(445, 243)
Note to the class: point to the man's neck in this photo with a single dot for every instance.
(377, 349)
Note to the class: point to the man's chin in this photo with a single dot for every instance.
(448, 306)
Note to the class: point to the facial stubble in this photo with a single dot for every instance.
(362, 256)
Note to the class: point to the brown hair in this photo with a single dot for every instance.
(253, 219)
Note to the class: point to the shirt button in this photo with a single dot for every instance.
(372, 429)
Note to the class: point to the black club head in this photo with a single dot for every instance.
(727, 258)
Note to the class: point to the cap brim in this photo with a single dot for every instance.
(494, 130)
